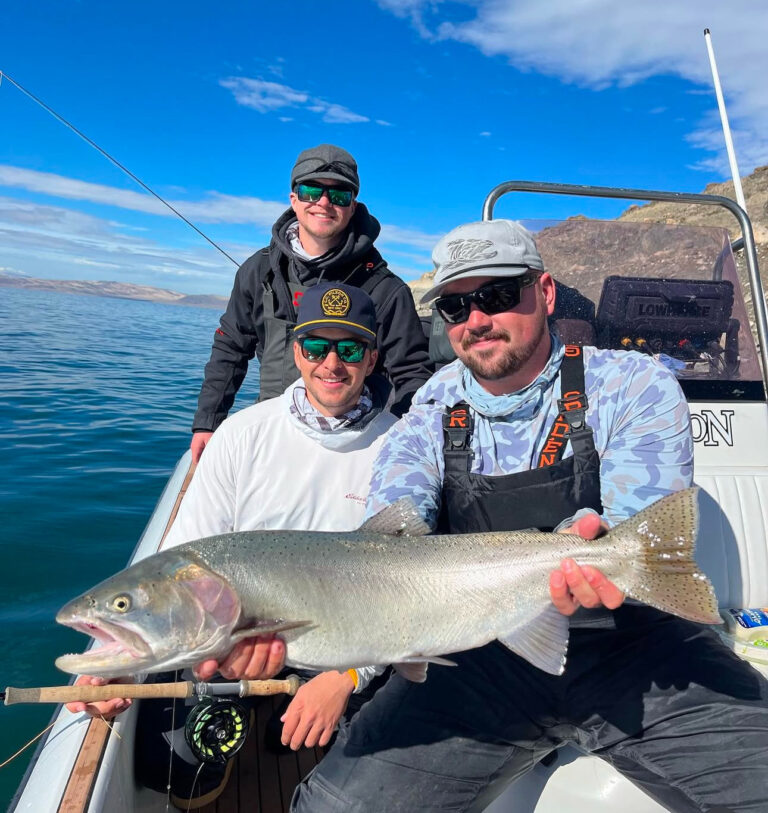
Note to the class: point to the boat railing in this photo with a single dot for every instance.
(620, 193)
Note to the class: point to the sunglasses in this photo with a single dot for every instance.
(495, 297)
(311, 193)
(315, 349)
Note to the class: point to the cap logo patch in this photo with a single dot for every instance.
(335, 303)
(462, 252)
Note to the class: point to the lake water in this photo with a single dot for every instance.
(96, 400)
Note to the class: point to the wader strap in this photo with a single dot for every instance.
(267, 299)
(458, 424)
(571, 420)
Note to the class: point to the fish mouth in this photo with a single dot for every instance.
(118, 651)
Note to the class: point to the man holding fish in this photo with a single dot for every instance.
(523, 432)
(261, 470)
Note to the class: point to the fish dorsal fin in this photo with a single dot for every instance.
(402, 518)
(542, 641)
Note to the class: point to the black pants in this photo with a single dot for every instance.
(662, 699)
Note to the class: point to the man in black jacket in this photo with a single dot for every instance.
(327, 235)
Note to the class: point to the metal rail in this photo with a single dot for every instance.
(758, 297)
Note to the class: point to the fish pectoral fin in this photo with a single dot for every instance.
(402, 518)
(415, 669)
(542, 641)
(267, 627)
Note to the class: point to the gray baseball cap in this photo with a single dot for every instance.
(325, 161)
(486, 248)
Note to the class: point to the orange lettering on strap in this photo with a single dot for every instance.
(552, 446)
(560, 428)
(572, 350)
(458, 419)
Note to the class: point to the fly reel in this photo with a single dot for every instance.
(216, 729)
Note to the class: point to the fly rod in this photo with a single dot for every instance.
(111, 691)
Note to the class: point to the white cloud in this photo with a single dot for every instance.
(599, 43)
(269, 96)
(216, 208)
(38, 237)
(42, 238)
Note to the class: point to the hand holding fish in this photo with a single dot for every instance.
(312, 715)
(250, 659)
(572, 586)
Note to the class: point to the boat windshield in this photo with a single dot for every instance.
(672, 291)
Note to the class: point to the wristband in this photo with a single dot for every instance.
(353, 674)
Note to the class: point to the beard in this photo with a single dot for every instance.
(492, 365)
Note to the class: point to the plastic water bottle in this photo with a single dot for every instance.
(748, 624)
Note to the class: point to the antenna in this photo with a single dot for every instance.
(724, 119)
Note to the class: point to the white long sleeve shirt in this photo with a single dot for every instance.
(264, 469)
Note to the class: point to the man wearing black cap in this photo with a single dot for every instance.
(326, 235)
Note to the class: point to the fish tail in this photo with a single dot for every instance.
(663, 572)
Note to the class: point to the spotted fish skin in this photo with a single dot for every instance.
(383, 594)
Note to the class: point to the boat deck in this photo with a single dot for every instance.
(262, 781)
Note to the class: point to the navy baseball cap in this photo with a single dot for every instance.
(337, 305)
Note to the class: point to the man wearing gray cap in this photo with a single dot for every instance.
(327, 235)
(523, 432)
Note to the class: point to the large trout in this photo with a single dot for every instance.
(386, 593)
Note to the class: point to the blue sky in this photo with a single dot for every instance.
(439, 101)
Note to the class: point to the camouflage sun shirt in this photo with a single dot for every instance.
(637, 412)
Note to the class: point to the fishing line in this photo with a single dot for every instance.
(24, 747)
(120, 166)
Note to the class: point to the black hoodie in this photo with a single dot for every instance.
(403, 354)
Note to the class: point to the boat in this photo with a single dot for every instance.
(673, 291)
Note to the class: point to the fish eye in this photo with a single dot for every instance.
(121, 603)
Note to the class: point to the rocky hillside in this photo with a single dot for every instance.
(575, 250)
(114, 290)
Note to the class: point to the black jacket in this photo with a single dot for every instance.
(403, 354)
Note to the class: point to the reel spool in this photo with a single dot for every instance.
(216, 729)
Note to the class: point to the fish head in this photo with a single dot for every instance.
(167, 612)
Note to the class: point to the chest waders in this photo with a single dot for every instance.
(539, 498)
(277, 370)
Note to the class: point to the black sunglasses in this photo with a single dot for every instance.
(315, 348)
(495, 297)
(311, 193)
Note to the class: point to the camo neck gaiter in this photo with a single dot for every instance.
(517, 406)
(303, 411)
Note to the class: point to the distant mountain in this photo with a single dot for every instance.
(559, 244)
(115, 290)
